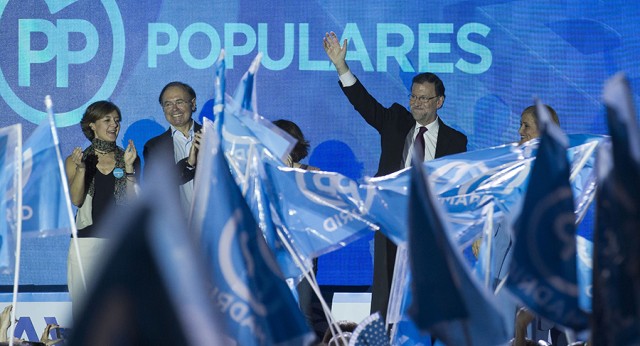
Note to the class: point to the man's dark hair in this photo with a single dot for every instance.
(184, 86)
(428, 77)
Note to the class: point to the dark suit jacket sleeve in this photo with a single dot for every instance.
(392, 124)
(161, 148)
(369, 108)
(186, 173)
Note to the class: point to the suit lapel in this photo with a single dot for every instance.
(444, 137)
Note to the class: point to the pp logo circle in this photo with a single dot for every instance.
(65, 43)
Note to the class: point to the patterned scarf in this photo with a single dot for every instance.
(91, 161)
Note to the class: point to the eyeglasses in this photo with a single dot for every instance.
(178, 103)
(422, 99)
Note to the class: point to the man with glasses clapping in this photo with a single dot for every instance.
(180, 142)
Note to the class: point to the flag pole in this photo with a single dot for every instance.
(487, 259)
(467, 336)
(310, 276)
(17, 188)
(65, 188)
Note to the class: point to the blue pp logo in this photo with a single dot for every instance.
(46, 54)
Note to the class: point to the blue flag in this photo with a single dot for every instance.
(152, 289)
(447, 299)
(10, 143)
(616, 275)
(405, 332)
(585, 271)
(328, 205)
(248, 287)
(245, 95)
(466, 183)
(249, 127)
(220, 85)
(543, 274)
(45, 201)
(249, 140)
(322, 211)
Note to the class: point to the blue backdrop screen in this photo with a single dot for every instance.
(493, 56)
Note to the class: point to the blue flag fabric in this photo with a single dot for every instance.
(248, 286)
(616, 275)
(10, 141)
(248, 141)
(466, 183)
(543, 274)
(322, 211)
(46, 208)
(220, 86)
(405, 332)
(585, 271)
(245, 96)
(327, 205)
(447, 299)
(152, 289)
(436, 297)
(256, 148)
(470, 185)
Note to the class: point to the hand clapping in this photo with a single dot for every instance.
(130, 154)
(76, 157)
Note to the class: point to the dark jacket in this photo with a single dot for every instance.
(161, 148)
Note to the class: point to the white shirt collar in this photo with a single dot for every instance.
(174, 130)
(432, 127)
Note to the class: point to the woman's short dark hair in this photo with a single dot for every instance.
(95, 112)
(301, 150)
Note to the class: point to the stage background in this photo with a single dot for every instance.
(493, 56)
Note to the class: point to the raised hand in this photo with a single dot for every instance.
(335, 52)
(76, 157)
(130, 154)
(195, 146)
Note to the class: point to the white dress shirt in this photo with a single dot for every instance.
(181, 148)
(430, 140)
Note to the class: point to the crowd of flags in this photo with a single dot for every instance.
(257, 223)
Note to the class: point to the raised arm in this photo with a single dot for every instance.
(335, 52)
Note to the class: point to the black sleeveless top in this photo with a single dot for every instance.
(103, 201)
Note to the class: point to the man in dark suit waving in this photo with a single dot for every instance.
(400, 130)
(179, 144)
